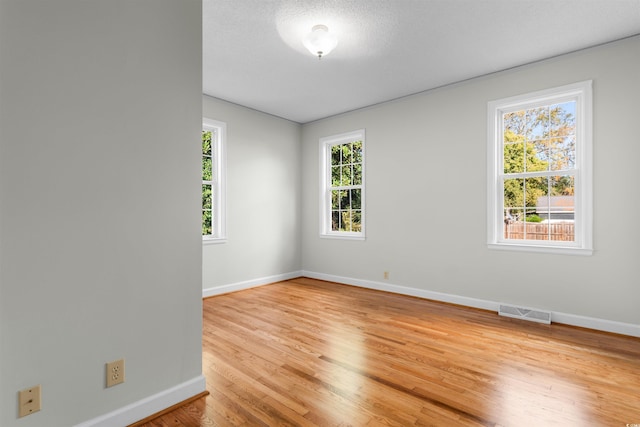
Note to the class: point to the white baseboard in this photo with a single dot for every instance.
(148, 406)
(225, 289)
(597, 324)
(565, 318)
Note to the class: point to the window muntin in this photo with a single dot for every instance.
(540, 171)
(342, 180)
(213, 189)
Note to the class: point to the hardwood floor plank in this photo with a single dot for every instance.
(306, 352)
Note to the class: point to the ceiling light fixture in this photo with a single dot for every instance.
(319, 41)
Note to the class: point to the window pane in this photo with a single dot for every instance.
(347, 153)
(537, 126)
(562, 185)
(357, 152)
(348, 221)
(534, 189)
(207, 168)
(562, 208)
(514, 158)
(345, 221)
(514, 126)
(540, 151)
(335, 176)
(356, 218)
(335, 155)
(356, 196)
(206, 142)
(335, 199)
(563, 153)
(206, 223)
(357, 174)
(513, 224)
(562, 119)
(534, 228)
(533, 163)
(344, 199)
(513, 193)
(335, 221)
(345, 178)
(207, 196)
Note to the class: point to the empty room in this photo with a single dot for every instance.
(319, 213)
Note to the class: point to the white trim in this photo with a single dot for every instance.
(597, 324)
(248, 284)
(523, 247)
(581, 93)
(206, 240)
(220, 169)
(343, 236)
(148, 406)
(405, 290)
(325, 177)
(557, 317)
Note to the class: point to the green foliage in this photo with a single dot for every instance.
(206, 223)
(207, 196)
(207, 160)
(207, 205)
(533, 218)
(206, 142)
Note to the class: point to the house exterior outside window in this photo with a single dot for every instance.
(540, 171)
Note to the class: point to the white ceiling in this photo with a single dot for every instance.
(253, 53)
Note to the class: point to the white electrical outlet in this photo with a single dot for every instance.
(115, 372)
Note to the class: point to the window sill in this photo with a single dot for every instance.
(213, 240)
(343, 236)
(557, 250)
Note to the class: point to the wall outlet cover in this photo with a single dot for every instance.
(29, 401)
(115, 372)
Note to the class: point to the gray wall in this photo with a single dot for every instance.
(263, 198)
(100, 247)
(426, 193)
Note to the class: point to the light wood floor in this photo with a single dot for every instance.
(311, 353)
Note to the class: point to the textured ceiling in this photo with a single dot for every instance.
(253, 53)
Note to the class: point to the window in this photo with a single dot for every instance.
(213, 188)
(539, 171)
(342, 181)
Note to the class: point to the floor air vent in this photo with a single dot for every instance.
(530, 314)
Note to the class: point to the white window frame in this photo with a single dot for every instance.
(580, 92)
(218, 182)
(325, 185)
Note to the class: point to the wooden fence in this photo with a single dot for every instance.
(563, 231)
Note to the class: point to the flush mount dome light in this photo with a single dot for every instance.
(319, 41)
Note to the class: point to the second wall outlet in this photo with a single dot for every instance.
(115, 372)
